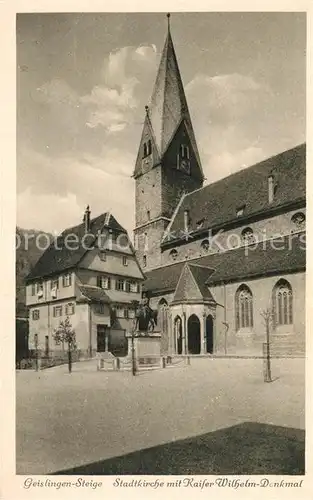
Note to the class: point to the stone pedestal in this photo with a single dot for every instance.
(147, 348)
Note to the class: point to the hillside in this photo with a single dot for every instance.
(27, 254)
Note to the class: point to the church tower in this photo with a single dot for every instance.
(168, 163)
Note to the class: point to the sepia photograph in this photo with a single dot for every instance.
(161, 246)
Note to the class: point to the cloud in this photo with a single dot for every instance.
(228, 111)
(45, 187)
(47, 212)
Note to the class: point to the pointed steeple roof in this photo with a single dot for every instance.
(168, 106)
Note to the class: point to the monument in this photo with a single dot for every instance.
(144, 341)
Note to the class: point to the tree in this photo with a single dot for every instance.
(267, 316)
(65, 334)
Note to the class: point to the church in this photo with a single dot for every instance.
(223, 261)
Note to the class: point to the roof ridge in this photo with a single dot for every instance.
(255, 165)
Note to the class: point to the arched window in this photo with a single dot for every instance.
(247, 236)
(282, 303)
(173, 254)
(205, 245)
(244, 307)
(298, 220)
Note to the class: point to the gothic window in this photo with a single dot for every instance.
(183, 159)
(298, 220)
(282, 303)
(244, 307)
(173, 254)
(247, 236)
(205, 245)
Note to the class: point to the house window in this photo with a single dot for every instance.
(148, 214)
(70, 309)
(282, 303)
(103, 256)
(133, 287)
(125, 260)
(119, 311)
(35, 314)
(244, 307)
(67, 280)
(120, 285)
(173, 254)
(126, 313)
(298, 220)
(247, 236)
(100, 308)
(205, 245)
(54, 284)
(144, 261)
(104, 282)
(40, 289)
(33, 289)
(57, 311)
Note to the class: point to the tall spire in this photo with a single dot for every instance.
(168, 106)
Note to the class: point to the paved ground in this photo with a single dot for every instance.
(66, 421)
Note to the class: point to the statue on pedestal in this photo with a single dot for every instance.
(146, 318)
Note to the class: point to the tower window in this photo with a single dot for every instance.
(147, 148)
(184, 151)
(148, 214)
(144, 261)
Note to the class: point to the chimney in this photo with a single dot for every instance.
(86, 219)
(270, 188)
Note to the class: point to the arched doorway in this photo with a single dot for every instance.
(209, 324)
(178, 329)
(194, 342)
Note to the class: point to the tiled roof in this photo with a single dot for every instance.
(191, 284)
(61, 257)
(277, 256)
(216, 204)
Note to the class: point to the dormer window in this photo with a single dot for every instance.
(205, 245)
(247, 236)
(240, 211)
(272, 188)
(173, 254)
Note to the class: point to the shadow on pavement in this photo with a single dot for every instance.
(247, 448)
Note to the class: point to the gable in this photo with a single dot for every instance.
(172, 155)
(187, 288)
(145, 162)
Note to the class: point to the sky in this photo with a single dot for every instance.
(83, 81)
